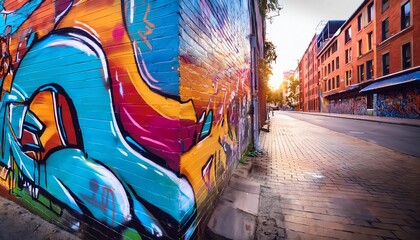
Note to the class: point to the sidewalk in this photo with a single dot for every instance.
(391, 120)
(16, 222)
(321, 184)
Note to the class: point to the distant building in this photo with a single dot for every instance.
(369, 65)
(288, 74)
(308, 75)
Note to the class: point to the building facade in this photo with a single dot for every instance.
(396, 91)
(303, 79)
(309, 76)
(369, 65)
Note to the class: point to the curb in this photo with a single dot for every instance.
(235, 215)
(361, 119)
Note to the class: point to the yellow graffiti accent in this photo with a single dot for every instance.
(211, 97)
(164, 106)
(4, 174)
(7, 82)
(43, 107)
(193, 161)
(149, 26)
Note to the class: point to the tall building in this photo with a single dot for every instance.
(309, 67)
(370, 64)
(309, 73)
(396, 90)
(347, 63)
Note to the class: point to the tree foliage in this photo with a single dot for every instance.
(270, 52)
(275, 96)
(293, 96)
(265, 64)
(264, 72)
(267, 6)
(270, 56)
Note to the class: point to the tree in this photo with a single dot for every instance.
(293, 89)
(270, 52)
(264, 64)
(275, 96)
(267, 6)
(270, 56)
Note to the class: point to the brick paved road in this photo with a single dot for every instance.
(320, 184)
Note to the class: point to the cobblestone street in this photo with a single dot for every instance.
(320, 184)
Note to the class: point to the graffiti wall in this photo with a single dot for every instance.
(402, 104)
(356, 106)
(345, 106)
(217, 77)
(123, 118)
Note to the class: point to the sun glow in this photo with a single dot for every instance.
(275, 83)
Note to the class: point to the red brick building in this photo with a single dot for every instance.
(302, 82)
(309, 67)
(370, 64)
(347, 63)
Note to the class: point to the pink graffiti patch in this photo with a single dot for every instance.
(118, 32)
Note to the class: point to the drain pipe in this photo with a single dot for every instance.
(254, 93)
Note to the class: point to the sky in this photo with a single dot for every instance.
(294, 28)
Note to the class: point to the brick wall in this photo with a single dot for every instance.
(123, 118)
(215, 74)
(397, 36)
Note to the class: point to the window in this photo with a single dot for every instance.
(329, 84)
(329, 68)
(385, 29)
(325, 70)
(385, 5)
(334, 47)
(333, 83)
(369, 69)
(337, 81)
(337, 64)
(347, 35)
(359, 22)
(359, 47)
(332, 65)
(361, 73)
(348, 77)
(406, 55)
(385, 64)
(348, 55)
(370, 12)
(405, 15)
(370, 39)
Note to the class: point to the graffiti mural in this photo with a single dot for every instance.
(357, 106)
(344, 106)
(126, 127)
(402, 104)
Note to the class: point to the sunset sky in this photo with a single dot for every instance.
(292, 31)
